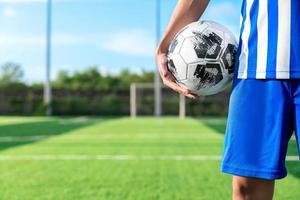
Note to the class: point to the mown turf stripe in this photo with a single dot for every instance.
(120, 157)
(4, 139)
(109, 157)
(109, 136)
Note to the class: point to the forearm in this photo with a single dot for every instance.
(186, 11)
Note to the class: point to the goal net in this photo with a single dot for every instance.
(142, 100)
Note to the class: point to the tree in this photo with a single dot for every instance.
(11, 73)
(91, 78)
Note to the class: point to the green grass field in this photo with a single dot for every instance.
(119, 158)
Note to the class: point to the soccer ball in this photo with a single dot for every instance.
(202, 57)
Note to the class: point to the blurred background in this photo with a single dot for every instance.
(95, 49)
(82, 117)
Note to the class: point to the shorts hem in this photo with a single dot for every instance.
(270, 175)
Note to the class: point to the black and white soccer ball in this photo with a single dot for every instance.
(202, 57)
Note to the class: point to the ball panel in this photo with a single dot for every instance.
(215, 71)
(202, 75)
(220, 29)
(177, 67)
(190, 30)
(209, 74)
(193, 81)
(216, 88)
(214, 41)
(207, 45)
(187, 53)
(230, 39)
(229, 57)
(176, 44)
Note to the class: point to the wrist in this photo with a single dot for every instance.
(162, 47)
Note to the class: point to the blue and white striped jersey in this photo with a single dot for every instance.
(269, 44)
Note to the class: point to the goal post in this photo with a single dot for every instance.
(133, 100)
(182, 110)
(138, 91)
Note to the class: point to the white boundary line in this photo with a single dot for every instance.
(114, 136)
(110, 136)
(118, 157)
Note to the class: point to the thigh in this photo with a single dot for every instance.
(258, 129)
(296, 95)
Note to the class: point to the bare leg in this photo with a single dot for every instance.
(252, 188)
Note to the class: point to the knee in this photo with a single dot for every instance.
(241, 189)
(251, 188)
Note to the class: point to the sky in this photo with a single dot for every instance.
(112, 35)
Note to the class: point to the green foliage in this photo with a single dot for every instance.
(90, 92)
(91, 78)
(11, 73)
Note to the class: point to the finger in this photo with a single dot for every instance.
(174, 86)
(192, 96)
(180, 89)
(170, 81)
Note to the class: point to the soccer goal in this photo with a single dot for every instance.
(142, 101)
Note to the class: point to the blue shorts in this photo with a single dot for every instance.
(262, 117)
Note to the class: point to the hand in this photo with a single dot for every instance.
(168, 78)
